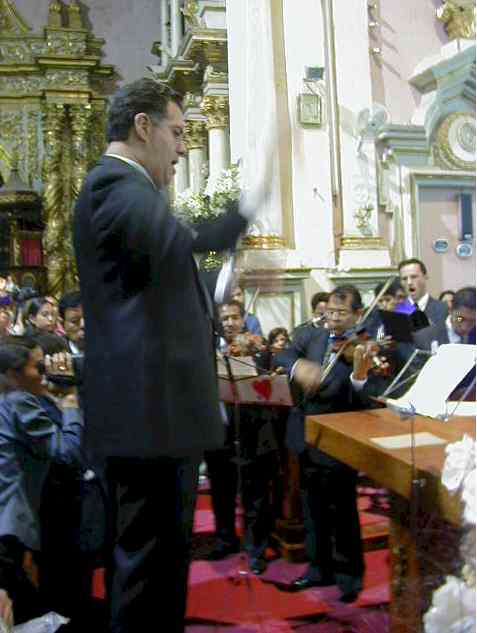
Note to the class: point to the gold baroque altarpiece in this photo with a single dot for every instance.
(53, 99)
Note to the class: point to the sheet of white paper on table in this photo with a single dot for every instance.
(405, 441)
(438, 379)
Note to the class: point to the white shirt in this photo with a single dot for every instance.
(451, 334)
(422, 302)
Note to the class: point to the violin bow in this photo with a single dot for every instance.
(331, 364)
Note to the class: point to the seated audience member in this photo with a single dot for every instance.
(40, 316)
(251, 323)
(21, 297)
(459, 327)
(258, 450)
(278, 339)
(447, 296)
(319, 301)
(5, 322)
(413, 275)
(6, 608)
(71, 317)
(35, 430)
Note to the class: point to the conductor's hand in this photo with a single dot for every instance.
(259, 188)
(307, 375)
(6, 608)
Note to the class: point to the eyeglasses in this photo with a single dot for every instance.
(340, 313)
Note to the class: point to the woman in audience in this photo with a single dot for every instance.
(35, 429)
(40, 316)
(447, 296)
(278, 339)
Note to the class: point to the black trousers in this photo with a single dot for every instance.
(333, 534)
(27, 603)
(152, 506)
(257, 475)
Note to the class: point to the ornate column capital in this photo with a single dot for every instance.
(54, 14)
(195, 134)
(216, 109)
(75, 20)
(458, 17)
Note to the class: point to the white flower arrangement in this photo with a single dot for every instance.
(453, 604)
(195, 207)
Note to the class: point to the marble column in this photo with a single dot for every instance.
(216, 109)
(164, 33)
(176, 26)
(182, 175)
(195, 138)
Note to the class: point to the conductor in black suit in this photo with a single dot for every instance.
(150, 381)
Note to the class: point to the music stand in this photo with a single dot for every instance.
(248, 387)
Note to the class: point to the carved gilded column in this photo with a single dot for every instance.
(195, 138)
(53, 207)
(98, 131)
(216, 109)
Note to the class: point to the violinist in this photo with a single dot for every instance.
(258, 453)
(328, 487)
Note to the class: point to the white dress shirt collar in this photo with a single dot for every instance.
(136, 166)
(451, 334)
(422, 302)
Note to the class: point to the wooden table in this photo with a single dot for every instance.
(423, 513)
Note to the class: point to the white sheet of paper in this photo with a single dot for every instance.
(241, 367)
(438, 379)
(404, 441)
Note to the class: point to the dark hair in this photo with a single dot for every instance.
(393, 287)
(14, 355)
(413, 260)
(144, 95)
(345, 291)
(276, 332)
(50, 343)
(319, 297)
(446, 292)
(464, 298)
(34, 306)
(232, 302)
(69, 301)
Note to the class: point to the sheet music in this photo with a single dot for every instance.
(242, 367)
(437, 380)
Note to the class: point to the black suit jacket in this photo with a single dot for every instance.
(436, 311)
(150, 380)
(437, 332)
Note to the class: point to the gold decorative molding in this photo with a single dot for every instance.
(54, 14)
(216, 109)
(191, 13)
(454, 145)
(458, 17)
(75, 21)
(16, 197)
(365, 243)
(195, 136)
(212, 75)
(263, 242)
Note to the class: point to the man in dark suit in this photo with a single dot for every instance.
(333, 536)
(413, 275)
(150, 380)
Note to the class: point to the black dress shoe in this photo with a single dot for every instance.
(348, 597)
(257, 566)
(350, 586)
(305, 582)
(222, 549)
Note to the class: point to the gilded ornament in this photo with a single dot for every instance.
(195, 136)
(67, 78)
(211, 75)
(216, 109)
(454, 146)
(362, 243)
(458, 17)
(15, 53)
(98, 132)
(75, 21)
(10, 20)
(190, 11)
(54, 14)
(263, 242)
(33, 126)
(362, 218)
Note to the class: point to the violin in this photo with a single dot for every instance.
(247, 344)
(379, 351)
